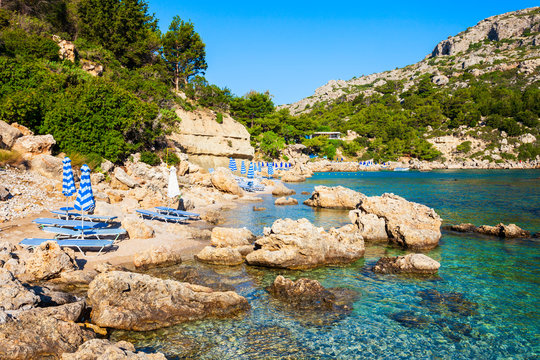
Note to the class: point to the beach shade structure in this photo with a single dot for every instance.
(260, 167)
(85, 198)
(270, 169)
(232, 165)
(251, 171)
(243, 168)
(68, 182)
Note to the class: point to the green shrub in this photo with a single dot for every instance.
(219, 118)
(464, 147)
(171, 158)
(150, 158)
(529, 151)
(19, 43)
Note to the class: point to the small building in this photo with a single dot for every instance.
(329, 134)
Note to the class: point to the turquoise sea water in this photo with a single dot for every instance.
(484, 304)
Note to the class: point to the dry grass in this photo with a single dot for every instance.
(8, 157)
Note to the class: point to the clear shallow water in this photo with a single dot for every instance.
(483, 305)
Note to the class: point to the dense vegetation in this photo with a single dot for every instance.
(130, 106)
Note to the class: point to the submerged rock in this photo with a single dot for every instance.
(337, 197)
(297, 244)
(447, 304)
(259, 208)
(310, 294)
(408, 264)
(202, 276)
(131, 301)
(97, 349)
(410, 319)
(500, 230)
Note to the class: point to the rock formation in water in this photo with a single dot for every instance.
(500, 230)
(408, 264)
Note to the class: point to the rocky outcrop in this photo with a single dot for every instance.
(286, 201)
(293, 177)
(43, 333)
(407, 224)
(281, 190)
(208, 143)
(13, 295)
(31, 145)
(297, 244)
(47, 261)
(124, 178)
(8, 135)
(47, 165)
(408, 264)
(130, 301)
(371, 227)
(224, 181)
(337, 197)
(500, 230)
(220, 256)
(231, 237)
(137, 228)
(307, 294)
(101, 349)
(4, 193)
(157, 256)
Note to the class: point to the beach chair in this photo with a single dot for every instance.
(152, 215)
(92, 233)
(71, 243)
(174, 212)
(75, 215)
(68, 223)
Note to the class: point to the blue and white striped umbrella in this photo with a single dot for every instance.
(232, 164)
(260, 167)
(251, 172)
(68, 183)
(85, 197)
(243, 168)
(270, 169)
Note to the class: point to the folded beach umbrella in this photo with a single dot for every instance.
(173, 190)
(243, 168)
(85, 198)
(68, 183)
(232, 164)
(260, 167)
(270, 169)
(251, 172)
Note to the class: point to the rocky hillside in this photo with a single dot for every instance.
(502, 42)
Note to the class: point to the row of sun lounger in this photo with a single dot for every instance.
(84, 233)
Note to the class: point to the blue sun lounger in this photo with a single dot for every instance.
(174, 212)
(72, 243)
(97, 233)
(68, 223)
(152, 215)
(75, 215)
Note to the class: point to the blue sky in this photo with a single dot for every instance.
(292, 47)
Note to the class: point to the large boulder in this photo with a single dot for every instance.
(102, 349)
(13, 295)
(31, 145)
(137, 228)
(43, 333)
(286, 201)
(297, 244)
(8, 135)
(231, 237)
(157, 256)
(47, 165)
(408, 224)
(4, 193)
(337, 197)
(408, 264)
(293, 177)
(130, 301)
(371, 227)
(47, 261)
(281, 190)
(224, 181)
(124, 178)
(220, 256)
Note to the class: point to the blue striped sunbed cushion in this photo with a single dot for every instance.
(98, 232)
(177, 212)
(156, 215)
(74, 214)
(68, 223)
(83, 244)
